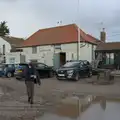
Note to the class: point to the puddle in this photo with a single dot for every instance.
(4, 90)
(87, 108)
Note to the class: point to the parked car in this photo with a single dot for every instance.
(19, 72)
(1, 70)
(74, 70)
(44, 70)
(7, 70)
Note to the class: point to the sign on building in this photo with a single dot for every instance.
(58, 47)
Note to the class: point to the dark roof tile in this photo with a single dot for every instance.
(14, 41)
(108, 46)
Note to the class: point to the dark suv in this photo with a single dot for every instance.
(74, 70)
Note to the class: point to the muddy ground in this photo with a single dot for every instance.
(13, 97)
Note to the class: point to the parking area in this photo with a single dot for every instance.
(52, 84)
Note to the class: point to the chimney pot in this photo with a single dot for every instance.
(103, 35)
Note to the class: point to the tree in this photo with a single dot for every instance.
(4, 30)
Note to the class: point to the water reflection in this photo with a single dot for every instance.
(103, 103)
(89, 108)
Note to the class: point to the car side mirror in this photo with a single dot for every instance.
(81, 66)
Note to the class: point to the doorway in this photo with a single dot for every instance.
(62, 58)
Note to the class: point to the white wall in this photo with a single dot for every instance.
(14, 55)
(15, 58)
(45, 53)
(71, 51)
(7, 46)
(86, 52)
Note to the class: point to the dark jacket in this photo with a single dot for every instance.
(32, 71)
(26, 73)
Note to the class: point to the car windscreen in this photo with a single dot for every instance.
(71, 64)
(21, 66)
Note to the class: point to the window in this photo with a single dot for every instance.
(41, 65)
(107, 58)
(58, 47)
(81, 64)
(12, 60)
(34, 50)
(110, 58)
(86, 63)
(71, 64)
(72, 56)
(3, 49)
(10, 66)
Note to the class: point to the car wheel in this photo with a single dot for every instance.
(9, 74)
(17, 78)
(90, 74)
(50, 74)
(77, 77)
(57, 77)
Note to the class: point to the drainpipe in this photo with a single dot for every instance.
(78, 33)
(78, 45)
(54, 57)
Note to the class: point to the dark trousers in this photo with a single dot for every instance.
(30, 89)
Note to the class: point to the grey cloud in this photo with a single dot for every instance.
(27, 16)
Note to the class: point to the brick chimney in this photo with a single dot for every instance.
(103, 35)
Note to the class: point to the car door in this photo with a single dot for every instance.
(42, 69)
(81, 69)
(86, 67)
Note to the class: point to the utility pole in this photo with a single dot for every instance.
(78, 30)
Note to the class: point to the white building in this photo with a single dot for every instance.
(8, 44)
(54, 46)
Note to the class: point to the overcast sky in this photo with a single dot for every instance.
(25, 17)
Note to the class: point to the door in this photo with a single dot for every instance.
(42, 69)
(82, 69)
(62, 58)
(56, 60)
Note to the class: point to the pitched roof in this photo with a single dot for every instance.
(13, 41)
(108, 46)
(58, 35)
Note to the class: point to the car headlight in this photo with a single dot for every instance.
(70, 72)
